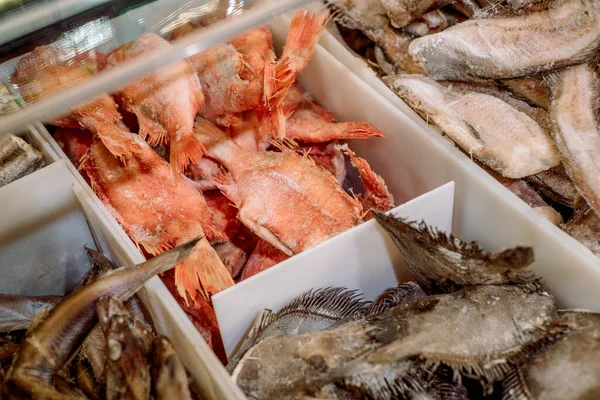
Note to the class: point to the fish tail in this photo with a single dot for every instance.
(357, 130)
(187, 149)
(305, 30)
(278, 78)
(202, 273)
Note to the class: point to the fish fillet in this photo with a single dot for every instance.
(574, 111)
(564, 34)
(491, 130)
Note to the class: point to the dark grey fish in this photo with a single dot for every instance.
(169, 377)
(555, 184)
(127, 366)
(310, 312)
(568, 369)
(17, 312)
(442, 263)
(386, 355)
(513, 46)
(584, 226)
(54, 336)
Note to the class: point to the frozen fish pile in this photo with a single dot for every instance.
(515, 85)
(474, 325)
(94, 343)
(224, 146)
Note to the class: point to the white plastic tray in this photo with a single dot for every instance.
(484, 209)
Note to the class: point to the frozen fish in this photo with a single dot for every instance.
(574, 112)
(530, 89)
(565, 33)
(584, 226)
(402, 12)
(505, 138)
(555, 184)
(17, 159)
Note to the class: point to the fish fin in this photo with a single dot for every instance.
(226, 184)
(277, 79)
(151, 131)
(39, 317)
(185, 150)
(202, 273)
(335, 302)
(377, 194)
(249, 340)
(304, 33)
(120, 143)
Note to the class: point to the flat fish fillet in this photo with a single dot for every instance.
(491, 130)
(574, 112)
(565, 34)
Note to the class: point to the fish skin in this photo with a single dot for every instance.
(568, 368)
(530, 89)
(285, 366)
(17, 312)
(515, 46)
(169, 376)
(127, 367)
(442, 263)
(370, 17)
(263, 257)
(17, 159)
(309, 312)
(524, 149)
(53, 337)
(584, 226)
(574, 111)
(402, 12)
(555, 184)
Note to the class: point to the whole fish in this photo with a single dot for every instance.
(17, 312)
(169, 376)
(128, 343)
(513, 46)
(507, 139)
(574, 112)
(17, 159)
(442, 263)
(53, 336)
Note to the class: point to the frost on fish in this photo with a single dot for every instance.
(574, 111)
(282, 197)
(433, 22)
(514, 46)
(504, 137)
(371, 18)
(453, 330)
(165, 102)
(402, 12)
(442, 263)
(386, 355)
(530, 89)
(584, 226)
(555, 184)
(568, 369)
(158, 214)
(17, 159)
(310, 312)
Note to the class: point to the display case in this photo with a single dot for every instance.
(428, 177)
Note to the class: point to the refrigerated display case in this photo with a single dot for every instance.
(417, 164)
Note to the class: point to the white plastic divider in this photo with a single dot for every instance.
(363, 258)
(484, 210)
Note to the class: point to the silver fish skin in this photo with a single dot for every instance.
(169, 377)
(555, 184)
(442, 263)
(567, 369)
(513, 47)
(574, 110)
(17, 312)
(127, 367)
(54, 336)
(490, 129)
(17, 159)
